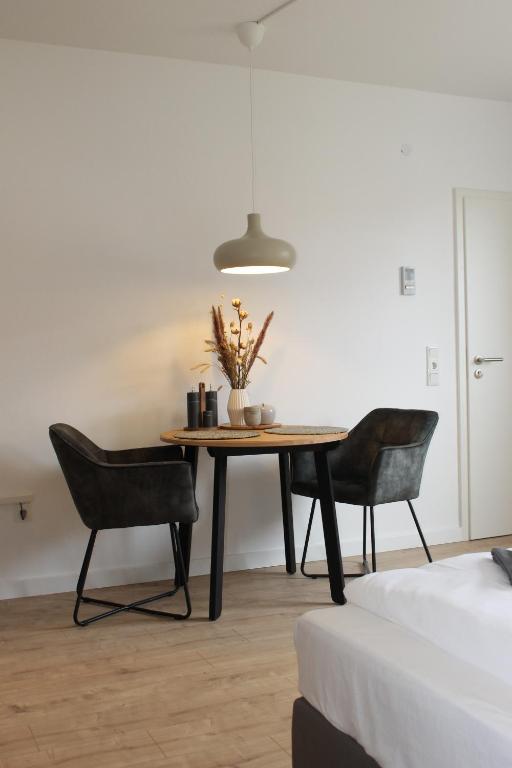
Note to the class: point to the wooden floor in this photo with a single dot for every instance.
(138, 691)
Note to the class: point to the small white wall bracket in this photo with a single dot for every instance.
(21, 499)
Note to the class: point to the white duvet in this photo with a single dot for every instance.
(418, 667)
(463, 605)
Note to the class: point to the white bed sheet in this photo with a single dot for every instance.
(462, 604)
(409, 703)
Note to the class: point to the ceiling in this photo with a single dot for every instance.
(450, 46)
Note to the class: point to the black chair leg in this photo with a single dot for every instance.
(137, 605)
(83, 575)
(180, 567)
(305, 550)
(372, 534)
(306, 545)
(425, 547)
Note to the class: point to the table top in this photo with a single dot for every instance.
(263, 440)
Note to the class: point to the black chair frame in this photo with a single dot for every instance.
(137, 605)
(372, 537)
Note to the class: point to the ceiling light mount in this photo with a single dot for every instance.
(250, 33)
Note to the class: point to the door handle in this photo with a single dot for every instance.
(480, 359)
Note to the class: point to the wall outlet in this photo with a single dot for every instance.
(432, 366)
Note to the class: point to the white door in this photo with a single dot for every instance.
(487, 233)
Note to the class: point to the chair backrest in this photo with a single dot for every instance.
(388, 426)
(78, 457)
(71, 437)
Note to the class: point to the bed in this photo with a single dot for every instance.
(415, 671)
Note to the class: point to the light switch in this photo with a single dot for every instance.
(408, 281)
(433, 366)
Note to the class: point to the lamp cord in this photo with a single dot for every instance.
(276, 10)
(251, 96)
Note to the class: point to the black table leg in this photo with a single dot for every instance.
(286, 504)
(192, 455)
(185, 529)
(330, 525)
(218, 524)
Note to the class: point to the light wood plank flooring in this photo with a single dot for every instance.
(143, 692)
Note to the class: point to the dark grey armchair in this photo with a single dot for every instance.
(121, 489)
(381, 461)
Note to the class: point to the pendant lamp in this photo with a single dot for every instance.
(255, 253)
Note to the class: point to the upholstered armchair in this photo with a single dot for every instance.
(380, 462)
(121, 489)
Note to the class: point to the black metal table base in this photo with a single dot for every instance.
(218, 528)
(330, 526)
(185, 529)
(329, 521)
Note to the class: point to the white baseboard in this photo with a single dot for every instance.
(108, 577)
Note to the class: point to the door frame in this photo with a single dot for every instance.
(461, 314)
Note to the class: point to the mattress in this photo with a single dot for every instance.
(462, 604)
(409, 703)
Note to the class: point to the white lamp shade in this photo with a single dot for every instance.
(255, 253)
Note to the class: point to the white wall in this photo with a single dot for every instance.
(119, 176)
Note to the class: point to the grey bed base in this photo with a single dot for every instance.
(318, 744)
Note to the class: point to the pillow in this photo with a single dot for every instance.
(503, 557)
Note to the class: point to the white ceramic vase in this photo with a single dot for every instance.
(238, 400)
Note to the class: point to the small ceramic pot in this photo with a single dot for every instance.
(252, 415)
(268, 414)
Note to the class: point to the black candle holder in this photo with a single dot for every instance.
(193, 411)
(211, 405)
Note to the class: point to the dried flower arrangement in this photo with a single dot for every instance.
(236, 348)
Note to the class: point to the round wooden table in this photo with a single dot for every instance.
(264, 443)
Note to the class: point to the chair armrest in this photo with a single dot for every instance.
(143, 455)
(396, 472)
(146, 493)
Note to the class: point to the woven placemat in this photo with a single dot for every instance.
(215, 434)
(299, 430)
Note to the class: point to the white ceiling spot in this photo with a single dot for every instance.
(449, 46)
